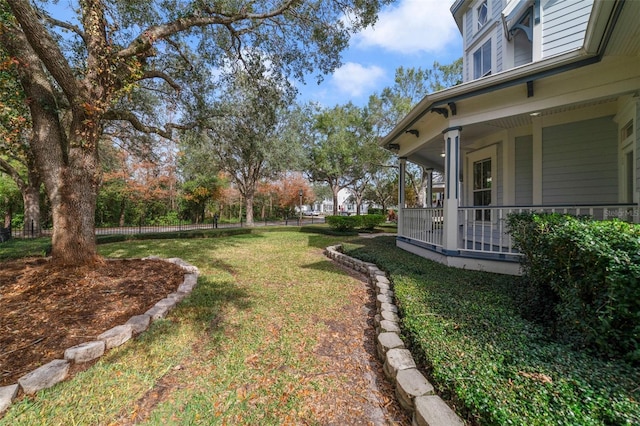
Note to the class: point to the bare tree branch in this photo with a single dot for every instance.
(57, 23)
(159, 74)
(132, 119)
(146, 39)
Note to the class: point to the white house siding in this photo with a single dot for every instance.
(472, 36)
(524, 170)
(580, 162)
(522, 49)
(496, 11)
(564, 23)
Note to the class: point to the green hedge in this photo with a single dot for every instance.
(495, 367)
(343, 223)
(370, 221)
(349, 223)
(584, 275)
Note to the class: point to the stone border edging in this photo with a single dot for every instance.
(413, 391)
(57, 370)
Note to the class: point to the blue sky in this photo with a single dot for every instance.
(409, 33)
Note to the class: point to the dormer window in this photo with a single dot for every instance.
(482, 13)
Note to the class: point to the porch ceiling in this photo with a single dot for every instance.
(430, 154)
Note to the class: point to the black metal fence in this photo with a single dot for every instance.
(144, 228)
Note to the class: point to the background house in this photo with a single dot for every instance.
(546, 119)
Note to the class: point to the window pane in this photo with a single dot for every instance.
(482, 14)
(486, 174)
(477, 64)
(482, 181)
(486, 58)
(477, 176)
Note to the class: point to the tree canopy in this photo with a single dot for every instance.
(103, 62)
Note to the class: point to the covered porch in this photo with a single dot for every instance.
(556, 136)
(477, 244)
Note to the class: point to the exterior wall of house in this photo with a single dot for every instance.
(580, 162)
(473, 38)
(523, 170)
(496, 12)
(561, 29)
(521, 54)
(564, 23)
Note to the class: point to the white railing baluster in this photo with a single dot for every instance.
(426, 225)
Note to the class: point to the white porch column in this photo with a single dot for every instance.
(451, 187)
(402, 167)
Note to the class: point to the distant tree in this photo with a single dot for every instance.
(136, 188)
(196, 194)
(9, 200)
(342, 148)
(16, 160)
(248, 141)
(411, 85)
(383, 189)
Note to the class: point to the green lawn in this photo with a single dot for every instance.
(237, 351)
(233, 352)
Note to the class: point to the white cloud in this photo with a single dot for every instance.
(412, 26)
(355, 79)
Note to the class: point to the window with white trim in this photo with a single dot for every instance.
(482, 188)
(482, 15)
(482, 60)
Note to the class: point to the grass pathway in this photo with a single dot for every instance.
(274, 333)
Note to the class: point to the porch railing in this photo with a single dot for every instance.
(484, 229)
(423, 225)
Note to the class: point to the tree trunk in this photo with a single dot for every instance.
(249, 204)
(334, 190)
(31, 200)
(7, 215)
(122, 212)
(73, 239)
(358, 205)
(66, 163)
(421, 188)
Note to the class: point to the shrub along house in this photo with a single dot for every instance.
(546, 119)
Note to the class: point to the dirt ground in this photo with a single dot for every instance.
(44, 310)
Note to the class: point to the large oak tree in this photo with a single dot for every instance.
(88, 68)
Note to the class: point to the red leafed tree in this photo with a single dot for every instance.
(288, 189)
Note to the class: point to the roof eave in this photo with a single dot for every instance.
(491, 83)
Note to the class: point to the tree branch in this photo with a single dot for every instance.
(67, 26)
(159, 74)
(44, 46)
(132, 119)
(146, 39)
(6, 168)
